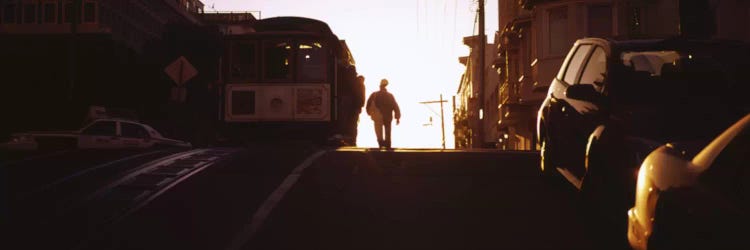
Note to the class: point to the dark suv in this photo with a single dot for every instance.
(612, 102)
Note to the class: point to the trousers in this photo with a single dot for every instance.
(384, 140)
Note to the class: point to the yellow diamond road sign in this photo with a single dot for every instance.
(181, 70)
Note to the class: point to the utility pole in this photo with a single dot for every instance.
(482, 42)
(442, 120)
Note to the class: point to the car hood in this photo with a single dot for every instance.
(675, 165)
(669, 167)
(687, 149)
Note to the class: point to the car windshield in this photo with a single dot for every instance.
(650, 61)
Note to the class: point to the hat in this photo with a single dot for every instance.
(383, 82)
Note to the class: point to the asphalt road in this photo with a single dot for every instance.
(424, 200)
(299, 196)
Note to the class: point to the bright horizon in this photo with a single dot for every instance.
(414, 44)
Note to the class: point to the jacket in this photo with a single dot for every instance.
(386, 103)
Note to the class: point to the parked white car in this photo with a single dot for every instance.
(99, 134)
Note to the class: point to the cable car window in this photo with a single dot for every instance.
(278, 56)
(311, 61)
(243, 61)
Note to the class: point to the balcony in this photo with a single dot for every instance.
(513, 114)
(507, 93)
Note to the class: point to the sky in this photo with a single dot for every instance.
(415, 44)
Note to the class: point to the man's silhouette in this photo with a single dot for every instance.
(381, 107)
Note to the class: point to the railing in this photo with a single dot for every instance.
(231, 16)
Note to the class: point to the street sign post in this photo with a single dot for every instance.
(180, 71)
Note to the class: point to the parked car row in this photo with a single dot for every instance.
(99, 134)
(614, 102)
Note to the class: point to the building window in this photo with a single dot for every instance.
(89, 12)
(600, 20)
(29, 13)
(69, 13)
(9, 13)
(558, 30)
(50, 12)
(635, 22)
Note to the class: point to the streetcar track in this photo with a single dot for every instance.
(125, 196)
(72, 206)
(144, 168)
(84, 172)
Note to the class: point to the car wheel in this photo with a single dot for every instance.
(601, 197)
(548, 172)
(599, 183)
(597, 206)
(544, 161)
(590, 205)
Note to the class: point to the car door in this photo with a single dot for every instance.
(587, 114)
(134, 135)
(562, 117)
(100, 134)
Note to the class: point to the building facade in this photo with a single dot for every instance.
(63, 56)
(469, 113)
(132, 22)
(535, 36)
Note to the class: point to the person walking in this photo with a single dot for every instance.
(382, 108)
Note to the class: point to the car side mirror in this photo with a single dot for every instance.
(584, 92)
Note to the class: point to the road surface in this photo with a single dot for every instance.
(294, 196)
